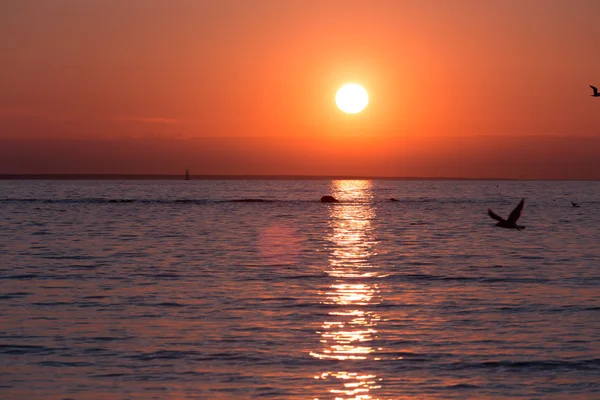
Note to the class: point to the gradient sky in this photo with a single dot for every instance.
(457, 88)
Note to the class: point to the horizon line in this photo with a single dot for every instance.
(260, 177)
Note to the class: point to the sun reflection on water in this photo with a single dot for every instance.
(352, 327)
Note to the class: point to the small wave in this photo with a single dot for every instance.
(429, 277)
(307, 276)
(248, 201)
(52, 303)
(163, 304)
(21, 276)
(166, 355)
(170, 304)
(188, 201)
(107, 338)
(23, 349)
(163, 276)
(113, 375)
(15, 295)
(592, 364)
(462, 386)
(89, 304)
(76, 257)
(64, 364)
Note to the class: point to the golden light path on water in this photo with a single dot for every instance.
(348, 333)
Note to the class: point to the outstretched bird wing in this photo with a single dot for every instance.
(494, 216)
(595, 89)
(516, 213)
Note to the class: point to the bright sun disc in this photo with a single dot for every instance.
(352, 98)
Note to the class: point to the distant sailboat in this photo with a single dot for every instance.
(187, 174)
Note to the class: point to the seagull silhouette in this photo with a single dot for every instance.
(595, 89)
(511, 222)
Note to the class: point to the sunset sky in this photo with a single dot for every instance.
(456, 88)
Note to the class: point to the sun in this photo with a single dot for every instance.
(352, 98)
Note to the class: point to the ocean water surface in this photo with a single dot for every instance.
(242, 289)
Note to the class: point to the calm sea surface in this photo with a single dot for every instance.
(177, 290)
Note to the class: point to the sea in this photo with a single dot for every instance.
(254, 289)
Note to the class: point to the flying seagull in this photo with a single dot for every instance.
(595, 89)
(511, 222)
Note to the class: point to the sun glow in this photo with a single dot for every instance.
(352, 98)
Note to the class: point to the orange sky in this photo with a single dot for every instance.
(457, 88)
